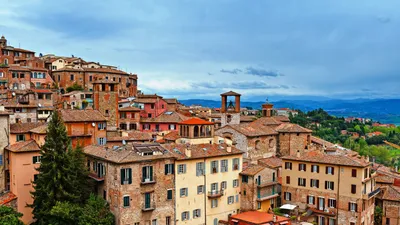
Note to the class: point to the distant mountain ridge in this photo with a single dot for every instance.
(383, 110)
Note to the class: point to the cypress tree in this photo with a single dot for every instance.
(83, 186)
(55, 181)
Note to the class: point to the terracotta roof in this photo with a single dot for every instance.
(25, 146)
(145, 100)
(318, 157)
(20, 128)
(292, 128)
(42, 90)
(77, 92)
(149, 96)
(71, 115)
(128, 109)
(267, 121)
(381, 169)
(93, 70)
(42, 129)
(171, 100)
(166, 117)
(18, 49)
(252, 170)
(282, 118)
(273, 162)
(392, 193)
(196, 121)
(321, 141)
(201, 151)
(129, 153)
(252, 130)
(7, 197)
(171, 136)
(132, 136)
(256, 217)
(230, 93)
(104, 81)
(247, 118)
(382, 178)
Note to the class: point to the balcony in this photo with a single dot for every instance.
(148, 206)
(96, 177)
(147, 181)
(263, 197)
(215, 194)
(267, 184)
(326, 211)
(371, 194)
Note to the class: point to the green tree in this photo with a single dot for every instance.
(97, 211)
(56, 176)
(65, 213)
(9, 216)
(82, 184)
(75, 87)
(378, 215)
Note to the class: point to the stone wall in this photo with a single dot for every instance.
(240, 139)
(230, 119)
(391, 210)
(289, 143)
(4, 124)
(261, 147)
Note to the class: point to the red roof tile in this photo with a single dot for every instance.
(273, 162)
(252, 169)
(196, 121)
(257, 217)
(25, 146)
(71, 115)
(7, 197)
(318, 157)
(292, 128)
(200, 150)
(20, 128)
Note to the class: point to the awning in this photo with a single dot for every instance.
(288, 206)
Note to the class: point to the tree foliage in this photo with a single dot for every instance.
(75, 87)
(9, 216)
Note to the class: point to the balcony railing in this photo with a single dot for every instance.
(263, 197)
(266, 184)
(148, 181)
(148, 206)
(371, 194)
(215, 194)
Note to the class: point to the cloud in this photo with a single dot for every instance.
(234, 71)
(262, 72)
(384, 19)
(238, 85)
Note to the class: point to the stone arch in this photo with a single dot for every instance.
(196, 131)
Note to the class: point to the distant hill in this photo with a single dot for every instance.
(383, 110)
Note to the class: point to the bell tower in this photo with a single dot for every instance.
(230, 113)
(3, 42)
(105, 99)
(267, 109)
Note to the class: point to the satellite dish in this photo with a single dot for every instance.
(93, 124)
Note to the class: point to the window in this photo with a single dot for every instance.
(126, 176)
(245, 179)
(152, 106)
(106, 112)
(258, 205)
(387, 221)
(353, 189)
(14, 75)
(214, 166)
(185, 216)
(224, 165)
(181, 168)
(149, 115)
(331, 221)
(169, 194)
(200, 169)
(21, 75)
(353, 206)
(35, 177)
(214, 203)
(330, 170)
(20, 137)
(235, 183)
(200, 189)
(235, 164)
(101, 141)
(214, 187)
(169, 169)
(288, 165)
(90, 78)
(287, 179)
(288, 196)
(302, 167)
(183, 192)
(101, 126)
(332, 203)
(237, 198)
(154, 222)
(314, 183)
(71, 77)
(123, 126)
(196, 213)
(168, 218)
(147, 201)
(37, 159)
(1, 74)
(126, 201)
(302, 182)
(223, 185)
(354, 173)
(329, 185)
(311, 200)
(315, 169)
(171, 127)
(147, 174)
(122, 115)
(231, 200)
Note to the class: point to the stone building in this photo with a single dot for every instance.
(137, 180)
(259, 188)
(391, 205)
(206, 182)
(4, 141)
(78, 99)
(331, 189)
(129, 118)
(105, 100)
(151, 105)
(230, 114)
(163, 123)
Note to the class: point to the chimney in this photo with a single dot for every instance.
(188, 152)
(274, 218)
(298, 154)
(229, 148)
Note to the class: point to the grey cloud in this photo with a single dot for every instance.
(234, 71)
(238, 85)
(262, 72)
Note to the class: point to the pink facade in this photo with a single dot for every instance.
(151, 110)
(158, 127)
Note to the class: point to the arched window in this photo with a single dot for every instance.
(6, 61)
(228, 118)
(196, 131)
(215, 221)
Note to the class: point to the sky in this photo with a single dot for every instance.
(193, 49)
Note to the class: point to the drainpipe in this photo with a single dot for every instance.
(337, 199)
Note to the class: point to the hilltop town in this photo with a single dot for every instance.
(158, 162)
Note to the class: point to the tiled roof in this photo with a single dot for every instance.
(252, 170)
(71, 115)
(382, 178)
(7, 197)
(145, 100)
(258, 218)
(321, 141)
(267, 121)
(171, 100)
(42, 129)
(247, 118)
(42, 90)
(201, 151)
(104, 81)
(282, 118)
(129, 153)
(167, 117)
(128, 109)
(253, 130)
(196, 121)
(132, 136)
(93, 70)
(171, 136)
(292, 128)
(20, 128)
(230, 93)
(392, 193)
(25, 146)
(273, 162)
(318, 157)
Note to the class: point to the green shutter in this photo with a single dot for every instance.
(143, 173)
(122, 175)
(130, 175)
(151, 173)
